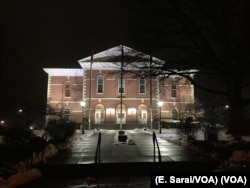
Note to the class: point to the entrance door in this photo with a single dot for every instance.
(99, 116)
(143, 116)
(120, 117)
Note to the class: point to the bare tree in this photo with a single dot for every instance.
(187, 113)
(211, 36)
(188, 109)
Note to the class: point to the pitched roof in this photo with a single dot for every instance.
(115, 55)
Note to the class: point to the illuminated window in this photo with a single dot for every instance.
(142, 85)
(67, 89)
(100, 84)
(173, 90)
(66, 115)
(121, 85)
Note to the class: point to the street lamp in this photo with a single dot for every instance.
(82, 126)
(160, 103)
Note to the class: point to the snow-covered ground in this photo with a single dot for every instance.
(239, 157)
(23, 176)
(172, 134)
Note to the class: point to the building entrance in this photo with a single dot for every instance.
(121, 117)
(142, 114)
(120, 114)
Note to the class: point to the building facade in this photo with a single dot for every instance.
(103, 92)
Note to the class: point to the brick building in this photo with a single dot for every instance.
(100, 93)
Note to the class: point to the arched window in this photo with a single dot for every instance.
(174, 114)
(67, 92)
(100, 84)
(173, 90)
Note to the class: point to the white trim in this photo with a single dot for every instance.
(63, 72)
(77, 84)
(111, 79)
(48, 89)
(56, 84)
(108, 99)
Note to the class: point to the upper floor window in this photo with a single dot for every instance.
(173, 90)
(100, 84)
(121, 85)
(142, 85)
(67, 89)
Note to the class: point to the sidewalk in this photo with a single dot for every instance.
(112, 151)
(121, 163)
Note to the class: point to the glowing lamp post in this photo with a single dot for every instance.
(160, 105)
(82, 126)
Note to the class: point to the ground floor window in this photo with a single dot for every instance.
(66, 115)
(174, 114)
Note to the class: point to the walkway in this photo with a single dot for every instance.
(114, 152)
(126, 162)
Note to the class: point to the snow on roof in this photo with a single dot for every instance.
(111, 58)
(116, 52)
(63, 72)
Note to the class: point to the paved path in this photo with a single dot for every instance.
(120, 162)
(114, 152)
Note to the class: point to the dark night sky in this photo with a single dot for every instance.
(56, 33)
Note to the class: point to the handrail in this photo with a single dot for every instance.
(36, 144)
(98, 149)
(155, 141)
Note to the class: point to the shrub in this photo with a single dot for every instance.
(60, 130)
(211, 133)
(2, 129)
(171, 125)
(189, 129)
(7, 170)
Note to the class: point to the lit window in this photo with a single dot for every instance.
(100, 84)
(142, 85)
(67, 89)
(173, 90)
(66, 115)
(121, 85)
